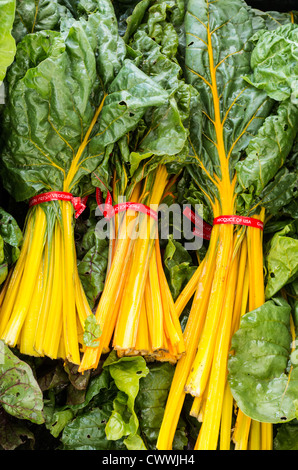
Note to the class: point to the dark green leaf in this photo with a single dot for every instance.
(268, 150)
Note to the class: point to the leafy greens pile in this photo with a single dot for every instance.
(103, 94)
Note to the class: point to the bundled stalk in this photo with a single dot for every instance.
(143, 319)
(229, 280)
(44, 307)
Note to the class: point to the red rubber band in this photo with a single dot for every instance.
(203, 230)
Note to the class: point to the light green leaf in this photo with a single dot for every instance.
(263, 376)
(126, 372)
(281, 259)
(274, 63)
(7, 42)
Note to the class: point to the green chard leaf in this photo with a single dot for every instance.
(263, 373)
(87, 432)
(267, 151)
(281, 259)
(92, 262)
(123, 422)
(92, 331)
(32, 16)
(7, 42)
(151, 401)
(274, 62)
(178, 266)
(14, 433)
(217, 56)
(20, 394)
(239, 122)
(286, 436)
(11, 238)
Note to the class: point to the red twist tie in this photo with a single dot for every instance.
(78, 203)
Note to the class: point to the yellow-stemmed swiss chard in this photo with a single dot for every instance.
(136, 311)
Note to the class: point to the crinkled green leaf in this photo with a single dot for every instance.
(57, 420)
(232, 110)
(9, 229)
(280, 192)
(263, 372)
(136, 17)
(11, 238)
(7, 42)
(32, 16)
(281, 259)
(274, 63)
(20, 394)
(268, 150)
(166, 133)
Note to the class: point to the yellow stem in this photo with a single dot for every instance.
(12, 286)
(26, 287)
(209, 432)
(69, 308)
(199, 374)
(49, 255)
(28, 332)
(76, 161)
(106, 304)
(254, 440)
(54, 322)
(226, 419)
(191, 335)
